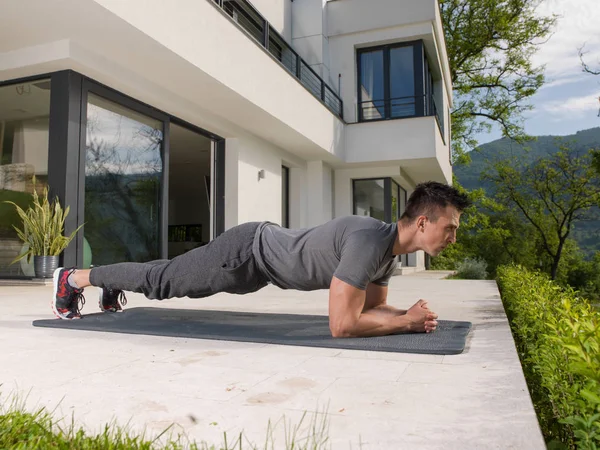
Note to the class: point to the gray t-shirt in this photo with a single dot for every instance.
(357, 250)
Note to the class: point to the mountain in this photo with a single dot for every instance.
(468, 175)
(587, 234)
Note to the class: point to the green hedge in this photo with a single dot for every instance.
(558, 339)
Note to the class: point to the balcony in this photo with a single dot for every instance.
(402, 108)
(257, 27)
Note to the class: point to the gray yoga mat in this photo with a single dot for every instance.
(284, 329)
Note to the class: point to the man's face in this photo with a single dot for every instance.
(436, 236)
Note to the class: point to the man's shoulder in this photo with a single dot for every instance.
(369, 235)
(358, 222)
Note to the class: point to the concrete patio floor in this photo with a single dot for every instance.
(374, 400)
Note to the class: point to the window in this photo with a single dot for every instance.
(380, 198)
(394, 82)
(24, 131)
(369, 198)
(123, 177)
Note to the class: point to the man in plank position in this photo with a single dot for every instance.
(352, 256)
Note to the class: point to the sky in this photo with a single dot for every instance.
(568, 102)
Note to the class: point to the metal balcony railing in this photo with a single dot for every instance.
(249, 19)
(401, 107)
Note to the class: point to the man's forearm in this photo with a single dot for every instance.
(372, 323)
(387, 310)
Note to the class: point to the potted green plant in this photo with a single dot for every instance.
(42, 233)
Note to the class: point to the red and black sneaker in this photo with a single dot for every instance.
(111, 300)
(67, 301)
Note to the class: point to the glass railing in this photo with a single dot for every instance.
(249, 19)
(400, 108)
(439, 116)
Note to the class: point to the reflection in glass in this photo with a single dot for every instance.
(402, 82)
(395, 205)
(369, 198)
(372, 90)
(123, 172)
(24, 125)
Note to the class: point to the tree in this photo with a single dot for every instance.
(584, 65)
(490, 44)
(492, 232)
(588, 69)
(552, 194)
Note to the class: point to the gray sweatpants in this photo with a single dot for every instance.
(226, 264)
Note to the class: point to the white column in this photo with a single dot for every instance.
(231, 182)
(328, 193)
(298, 195)
(309, 37)
(315, 193)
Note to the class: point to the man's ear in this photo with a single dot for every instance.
(421, 223)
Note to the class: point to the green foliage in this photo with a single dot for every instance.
(552, 194)
(558, 339)
(490, 45)
(596, 161)
(492, 232)
(471, 269)
(582, 275)
(586, 233)
(43, 225)
(8, 213)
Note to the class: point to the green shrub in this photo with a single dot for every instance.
(472, 269)
(558, 339)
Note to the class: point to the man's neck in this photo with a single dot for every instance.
(405, 240)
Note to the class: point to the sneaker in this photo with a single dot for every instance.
(111, 300)
(67, 301)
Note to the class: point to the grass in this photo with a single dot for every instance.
(23, 430)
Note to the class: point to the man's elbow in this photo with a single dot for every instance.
(341, 330)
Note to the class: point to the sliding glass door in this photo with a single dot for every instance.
(123, 183)
(24, 129)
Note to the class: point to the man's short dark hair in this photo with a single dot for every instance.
(430, 197)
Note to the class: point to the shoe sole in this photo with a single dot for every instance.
(53, 301)
(100, 292)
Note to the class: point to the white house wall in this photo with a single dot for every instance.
(354, 16)
(310, 39)
(236, 62)
(249, 197)
(441, 53)
(391, 140)
(229, 84)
